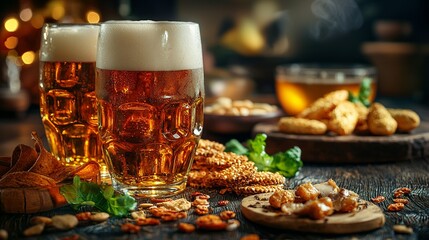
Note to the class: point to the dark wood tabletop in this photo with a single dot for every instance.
(368, 180)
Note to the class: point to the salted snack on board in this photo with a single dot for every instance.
(407, 119)
(343, 118)
(336, 113)
(301, 126)
(30, 179)
(321, 108)
(380, 122)
(229, 172)
(362, 124)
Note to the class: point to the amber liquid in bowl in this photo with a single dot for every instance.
(295, 96)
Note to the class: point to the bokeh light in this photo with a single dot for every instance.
(11, 42)
(11, 24)
(28, 57)
(26, 14)
(92, 17)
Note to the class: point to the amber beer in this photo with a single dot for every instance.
(67, 92)
(149, 87)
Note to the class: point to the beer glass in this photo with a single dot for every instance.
(150, 93)
(67, 92)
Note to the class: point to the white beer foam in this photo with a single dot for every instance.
(69, 43)
(149, 46)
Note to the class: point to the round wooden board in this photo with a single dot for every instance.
(367, 219)
(352, 148)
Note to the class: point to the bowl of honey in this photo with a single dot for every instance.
(299, 85)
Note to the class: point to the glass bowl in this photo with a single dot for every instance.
(299, 85)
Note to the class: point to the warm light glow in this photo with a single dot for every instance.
(11, 42)
(28, 57)
(11, 24)
(37, 21)
(26, 14)
(58, 11)
(92, 17)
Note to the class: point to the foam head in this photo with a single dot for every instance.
(69, 43)
(149, 46)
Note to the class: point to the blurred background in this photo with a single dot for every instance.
(244, 40)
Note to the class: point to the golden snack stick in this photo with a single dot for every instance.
(301, 126)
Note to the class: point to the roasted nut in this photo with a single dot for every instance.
(210, 222)
(398, 193)
(186, 227)
(402, 229)
(99, 217)
(395, 207)
(202, 209)
(227, 106)
(138, 215)
(378, 199)
(232, 224)
(147, 221)
(83, 216)
(34, 230)
(130, 228)
(64, 222)
(40, 219)
(225, 215)
(145, 205)
(178, 205)
(222, 202)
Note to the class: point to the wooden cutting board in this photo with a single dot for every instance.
(366, 219)
(352, 148)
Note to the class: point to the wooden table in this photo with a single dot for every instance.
(368, 180)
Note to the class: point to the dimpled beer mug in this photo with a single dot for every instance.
(150, 93)
(67, 85)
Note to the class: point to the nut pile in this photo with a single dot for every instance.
(399, 201)
(227, 106)
(229, 172)
(334, 113)
(169, 210)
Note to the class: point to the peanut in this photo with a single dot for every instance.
(64, 222)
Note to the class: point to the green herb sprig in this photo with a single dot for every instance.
(286, 163)
(103, 197)
(364, 93)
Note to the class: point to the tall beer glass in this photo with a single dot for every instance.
(150, 92)
(67, 86)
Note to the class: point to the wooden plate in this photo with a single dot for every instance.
(366, 219)
(352, 148)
